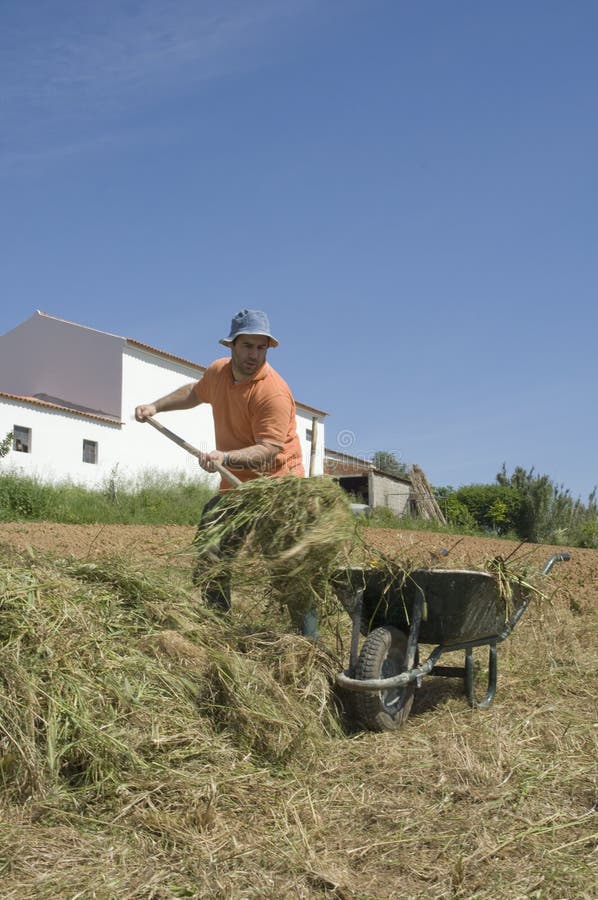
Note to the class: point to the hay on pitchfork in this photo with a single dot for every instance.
(290, 533)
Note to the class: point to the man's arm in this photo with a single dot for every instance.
(259, 456)
(183, 398)
(270, 420)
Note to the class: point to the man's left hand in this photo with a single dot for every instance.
(207, 460)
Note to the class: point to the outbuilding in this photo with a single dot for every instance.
(369, 486)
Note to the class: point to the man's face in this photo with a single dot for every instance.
(248, 353)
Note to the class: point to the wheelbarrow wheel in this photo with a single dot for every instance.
(382, 656)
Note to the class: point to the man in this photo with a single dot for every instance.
(254, 416)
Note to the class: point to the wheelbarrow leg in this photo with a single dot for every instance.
(470, 678)
(417, 613)
(356, 617)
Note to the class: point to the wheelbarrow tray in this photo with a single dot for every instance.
(459, 605)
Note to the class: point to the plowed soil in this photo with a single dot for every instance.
(168, 545)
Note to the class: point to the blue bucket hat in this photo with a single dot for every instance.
(249, 321)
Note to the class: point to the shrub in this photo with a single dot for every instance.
(493, 507)
(457, 513)
(588, 535)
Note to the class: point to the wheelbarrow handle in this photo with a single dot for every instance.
(556, 557)
(222, 470)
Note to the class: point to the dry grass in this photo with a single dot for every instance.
(149, 750)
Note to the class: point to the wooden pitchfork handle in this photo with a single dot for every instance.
(193, 450)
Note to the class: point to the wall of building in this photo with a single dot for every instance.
(125, 453)
(56, 450)
(59, 359)
(304, 430)
(146, 377)
(388, 492)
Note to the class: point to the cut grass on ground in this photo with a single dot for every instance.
(151, 750)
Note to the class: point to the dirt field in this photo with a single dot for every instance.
(171, 545)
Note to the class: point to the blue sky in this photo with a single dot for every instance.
(409, 189)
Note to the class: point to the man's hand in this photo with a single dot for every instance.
(207, 460)
(183, 398)
(145, 411)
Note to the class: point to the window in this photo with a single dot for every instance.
(21, 439)
(308, 434)
(90, 451)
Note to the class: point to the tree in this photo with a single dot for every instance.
(548, 513)
(498, 513)
(536, 492)
(387, 462)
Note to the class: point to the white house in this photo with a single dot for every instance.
(68, 394)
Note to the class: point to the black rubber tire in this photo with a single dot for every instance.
(383, 655)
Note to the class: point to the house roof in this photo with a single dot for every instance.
(63, 407)
(340, 454)
(312, 409)
(338, 460)
(165, 354)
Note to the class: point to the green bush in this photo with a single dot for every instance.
(493, 507)
(588, 535)
(457, 513)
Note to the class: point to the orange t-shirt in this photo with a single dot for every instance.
(258, 409)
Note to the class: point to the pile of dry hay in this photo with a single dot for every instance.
(110, 673)
(286, 535)
(108, 676)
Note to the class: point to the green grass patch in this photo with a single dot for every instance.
(381, 517)
(151, 499)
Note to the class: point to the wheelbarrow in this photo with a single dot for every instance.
(454, 609)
